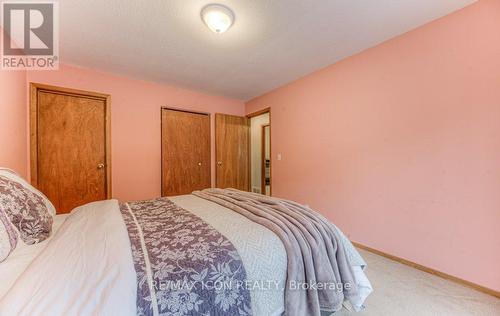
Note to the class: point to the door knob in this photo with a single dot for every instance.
(219, 163)
(199, 163)
(100, 166)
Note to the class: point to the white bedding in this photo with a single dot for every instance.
(87, 267)
(22, 256)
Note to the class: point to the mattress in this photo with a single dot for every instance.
(22, 256)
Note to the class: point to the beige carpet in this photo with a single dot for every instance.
(402, 290)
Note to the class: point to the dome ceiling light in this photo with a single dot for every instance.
(217, 17)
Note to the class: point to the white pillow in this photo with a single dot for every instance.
(8, 236)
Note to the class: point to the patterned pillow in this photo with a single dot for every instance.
(28, 210)
(11, 174)
(8, 236)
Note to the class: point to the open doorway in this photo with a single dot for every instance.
(260, 152)
(266, 160)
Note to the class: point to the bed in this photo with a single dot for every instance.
(91, 264)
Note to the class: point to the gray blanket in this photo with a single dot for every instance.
(319, 274)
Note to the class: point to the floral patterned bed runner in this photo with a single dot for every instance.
(184, 266)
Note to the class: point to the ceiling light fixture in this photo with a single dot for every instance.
(217, 17)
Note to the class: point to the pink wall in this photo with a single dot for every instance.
(400, 144)
(13, 121)
(135, 122)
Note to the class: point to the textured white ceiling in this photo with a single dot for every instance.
(271, 43)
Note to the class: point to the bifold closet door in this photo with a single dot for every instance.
(70, 161)
(185, 152)
(232, 151)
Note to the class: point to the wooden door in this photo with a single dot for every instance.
(232, 151)
(70, 146)
(185, 152)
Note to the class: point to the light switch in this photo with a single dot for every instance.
(279, 156)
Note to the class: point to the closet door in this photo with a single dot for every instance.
(185, 152)
(232, 147)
